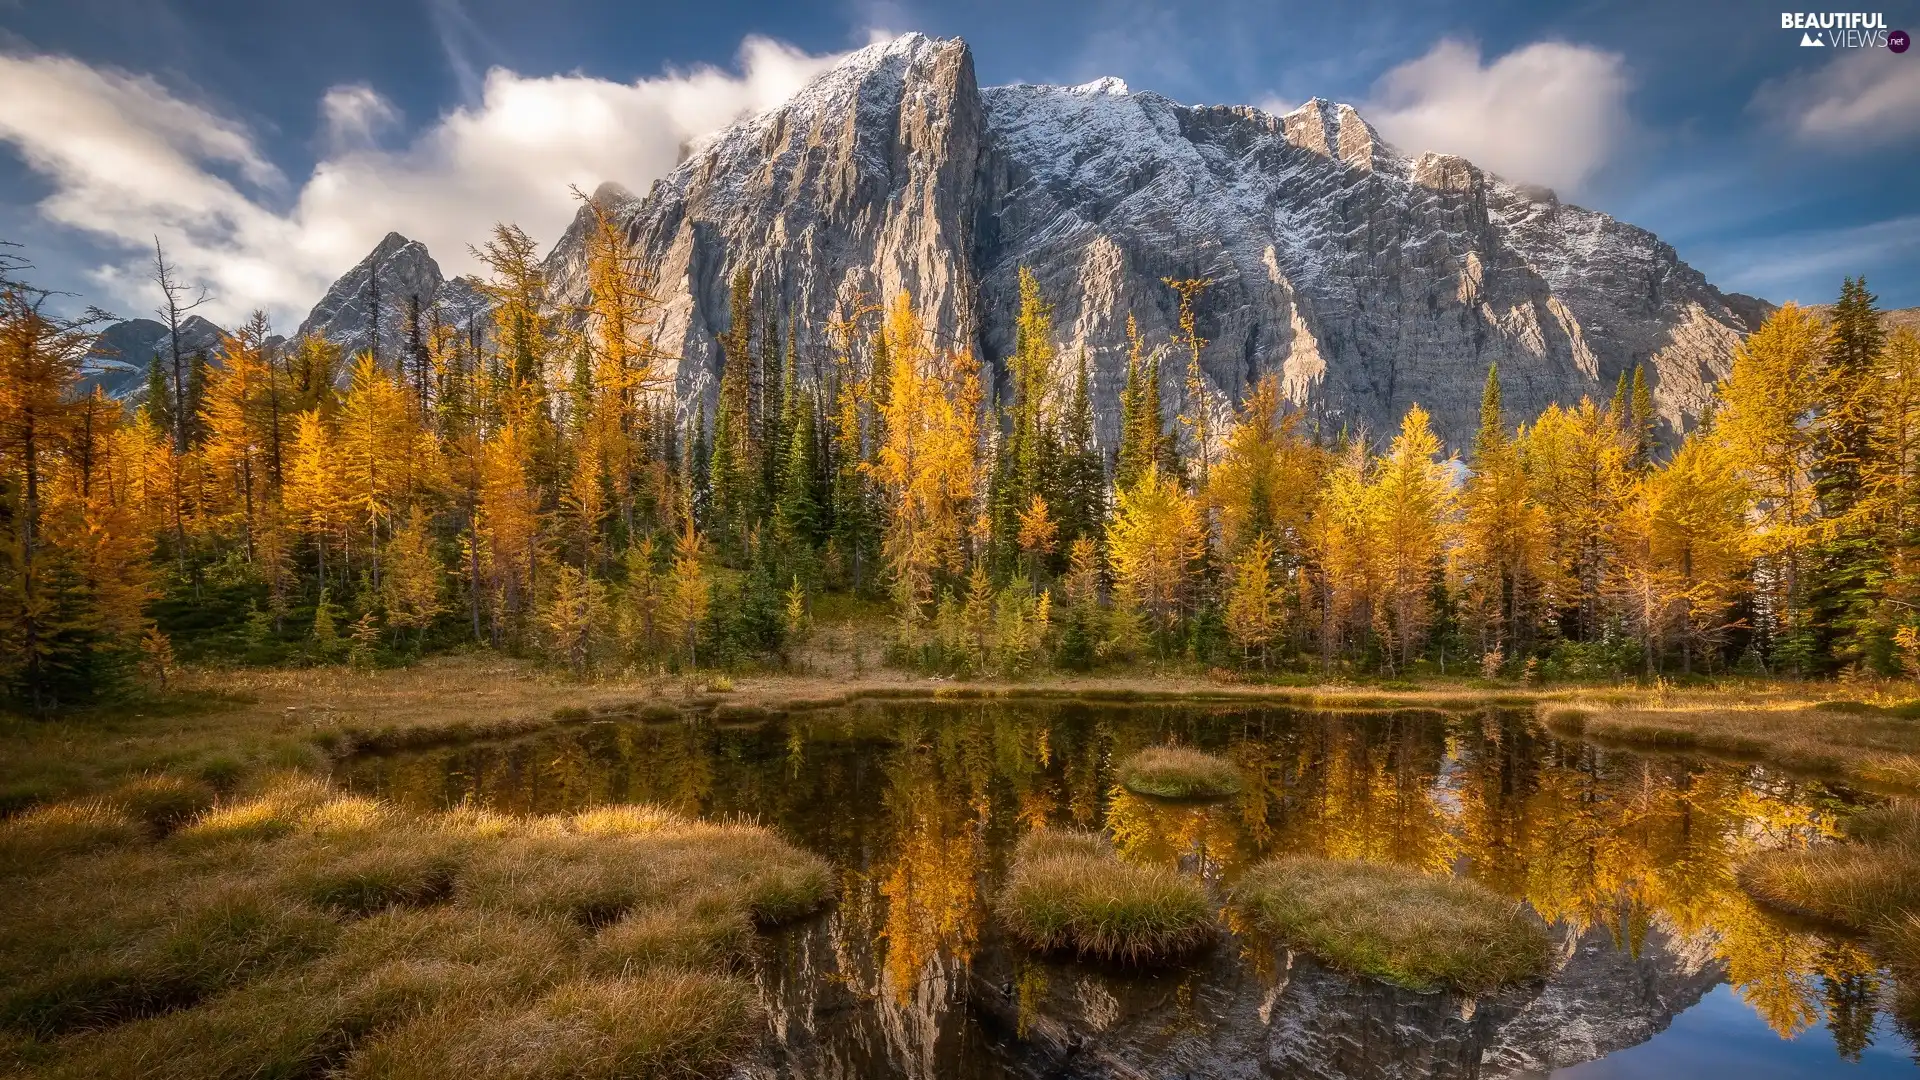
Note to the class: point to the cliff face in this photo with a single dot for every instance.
(397, 272)
(1365, 279)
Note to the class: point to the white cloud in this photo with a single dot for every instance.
(355, 117)
(1862, 97)
(128, 161)
(1550, 113)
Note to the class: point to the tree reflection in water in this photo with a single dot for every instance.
(1631, 856)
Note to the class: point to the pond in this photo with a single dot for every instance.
(1667, 968)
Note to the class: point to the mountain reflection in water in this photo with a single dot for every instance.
(1631, 857)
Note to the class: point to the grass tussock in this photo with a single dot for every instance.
(1395, 924)
(1177, 772)
(1069, 892)
(1868, 882)
(49, 832)
(302, 932)
(664, 1024)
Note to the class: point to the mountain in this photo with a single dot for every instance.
(122, 353)
(1367, 279)
(396, 272)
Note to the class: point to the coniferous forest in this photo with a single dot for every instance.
(533, 486)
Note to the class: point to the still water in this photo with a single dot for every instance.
(1668, 969)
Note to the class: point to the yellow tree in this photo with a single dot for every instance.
(1267, 480)
(315, 495)
(1197, 417)
(928, 463)
(1767, 426)
(1038, 535)
(1153, 539)
(1699, 521)
(372, 429)
(506, 529)
(238, 436)
(1253, 603)
(1576, 461)
(1349, 565)
(687, 595)
(1412, 498)
(411, 589)
(619, 315)
(522, 315)
(1503, 564)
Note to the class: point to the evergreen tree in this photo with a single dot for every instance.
(1848, 564)
(159, 395)
(1082, 484)
(736, 469)
(1640, 422)
(1023, 468)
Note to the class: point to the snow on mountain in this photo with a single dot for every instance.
(1366, 279)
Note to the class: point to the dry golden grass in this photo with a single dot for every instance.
(1178, 772)
(1396, 924)
(1867, 883)
(1069, 892)
(1876, 744)
(663, 1024)
(303, 932)
(48, 832)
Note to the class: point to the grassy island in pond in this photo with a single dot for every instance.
(301, 932)
(1396, 924)
(1069, 892)
(1866, 883)
(1176, 772)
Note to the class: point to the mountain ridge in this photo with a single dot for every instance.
(1364, 278)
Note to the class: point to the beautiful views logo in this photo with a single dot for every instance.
(1844, 30)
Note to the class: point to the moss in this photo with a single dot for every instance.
(1395, 924)
(1069, 892)
(1176, 772)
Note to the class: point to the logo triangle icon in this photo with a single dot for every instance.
(1809, 41)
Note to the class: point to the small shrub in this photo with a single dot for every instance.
(1395, 924)
(1175, 772)
(1068, 892)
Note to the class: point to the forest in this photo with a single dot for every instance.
(532, 486)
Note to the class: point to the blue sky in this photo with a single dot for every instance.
(272, 143)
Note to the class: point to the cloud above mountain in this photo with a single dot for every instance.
(1860, 98)
(1549, 113)
(128, 159)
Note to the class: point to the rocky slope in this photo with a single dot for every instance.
(395, 273)
(123, 352)
(1368, 280)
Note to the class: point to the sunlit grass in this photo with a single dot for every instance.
(1866, 883)
(1069, 892)
(1177, 772)
(1396, 924)
(303, 932)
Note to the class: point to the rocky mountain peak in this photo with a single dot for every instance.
(395, 275)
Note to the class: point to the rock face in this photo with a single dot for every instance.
(395, 272)
(122, 353)
(1365, 279)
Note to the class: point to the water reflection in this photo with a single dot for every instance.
(1630, 856)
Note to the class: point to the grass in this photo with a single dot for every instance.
(1068, 892)
(1176, 772)
(1866, 883)
(1396, 924)
(1874, 744)
(298, 931)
